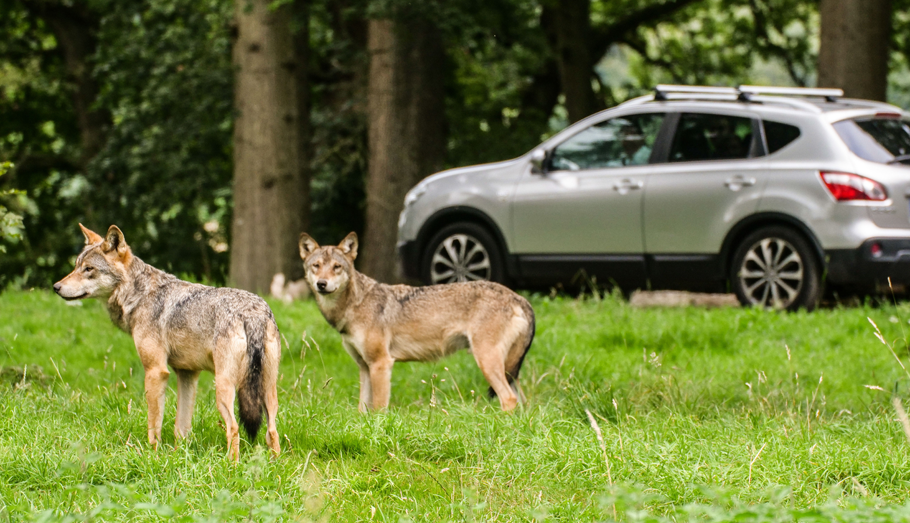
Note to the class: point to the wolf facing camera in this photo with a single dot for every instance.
(381, 324)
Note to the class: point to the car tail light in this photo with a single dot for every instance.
(847, 187)
(876, 250)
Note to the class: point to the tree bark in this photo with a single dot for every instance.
(269, 192)
(854, 47)
(572, 24)
(304, 136)
(405, 103)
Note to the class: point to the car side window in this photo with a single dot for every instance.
(627, 140)
(712, 137)
(779, 135)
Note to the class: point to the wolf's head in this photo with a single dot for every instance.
(328, 269)
(100, 267)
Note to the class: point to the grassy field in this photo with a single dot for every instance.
(716, 415)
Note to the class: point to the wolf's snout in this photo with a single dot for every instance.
(321, 284)
(57, 287)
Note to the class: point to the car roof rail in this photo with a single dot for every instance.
(790, 96)
(829, 94)
(795, 97)
(795, 103)
(661, 91)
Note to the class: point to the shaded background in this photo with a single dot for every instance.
(212, 132)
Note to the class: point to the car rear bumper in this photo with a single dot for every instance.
(872, 263)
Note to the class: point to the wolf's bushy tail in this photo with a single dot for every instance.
(250, 394)
(512, 370)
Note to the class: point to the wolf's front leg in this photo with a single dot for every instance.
(187, 382)
(154, 361)
(381, 382)
(155, 386)
(366, 389)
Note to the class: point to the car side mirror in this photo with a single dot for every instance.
(538, 156)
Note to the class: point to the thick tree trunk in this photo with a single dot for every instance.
(853, 52)
(269, 191)
(406, 129)
(572, 25)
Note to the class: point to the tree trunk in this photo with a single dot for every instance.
(854, 48)
(268, 186)
(405, 103)
(301, 77)
(572, 24)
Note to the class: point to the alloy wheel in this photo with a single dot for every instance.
(460, 257)
(771, 274)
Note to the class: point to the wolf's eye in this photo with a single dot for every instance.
(337, 267)
(88, 269)
(316, 266)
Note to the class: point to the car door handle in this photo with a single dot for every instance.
(625, 185)
(738, 182)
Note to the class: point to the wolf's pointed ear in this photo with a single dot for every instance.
(114, 241)
(349, 245)
(90, 235)
(307, 245)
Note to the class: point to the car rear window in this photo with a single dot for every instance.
(779, 135)
(711, 137)
(881, 140)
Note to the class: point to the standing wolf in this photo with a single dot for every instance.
(381, 324)
(190, 327)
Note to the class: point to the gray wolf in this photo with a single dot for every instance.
(189, 327)
(381, 324)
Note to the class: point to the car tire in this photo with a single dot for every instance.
(462, 251)
(775, 267)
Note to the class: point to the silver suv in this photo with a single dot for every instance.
(773, 191)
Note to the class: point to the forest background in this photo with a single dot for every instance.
(213, 132)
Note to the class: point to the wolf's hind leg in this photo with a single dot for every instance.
(224, 399)
(271, 410)
(270, 386)
(187, 382)
(489, 357)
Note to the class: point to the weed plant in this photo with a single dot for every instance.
(636, 415)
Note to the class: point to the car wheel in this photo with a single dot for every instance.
(775, 267)
(462, 252)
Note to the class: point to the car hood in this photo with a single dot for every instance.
(472, 170)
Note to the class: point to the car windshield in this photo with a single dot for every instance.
(882, 140)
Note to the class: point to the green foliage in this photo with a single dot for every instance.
(38, 131)
(10, 222)
(164, 175)
(715, 42)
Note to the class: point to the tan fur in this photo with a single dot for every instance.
(187, 327)
(381, 324)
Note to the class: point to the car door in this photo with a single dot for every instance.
(713, 178)
(584, 211)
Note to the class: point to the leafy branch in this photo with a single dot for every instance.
(10, 222)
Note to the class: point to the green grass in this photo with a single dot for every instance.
(704, 415)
